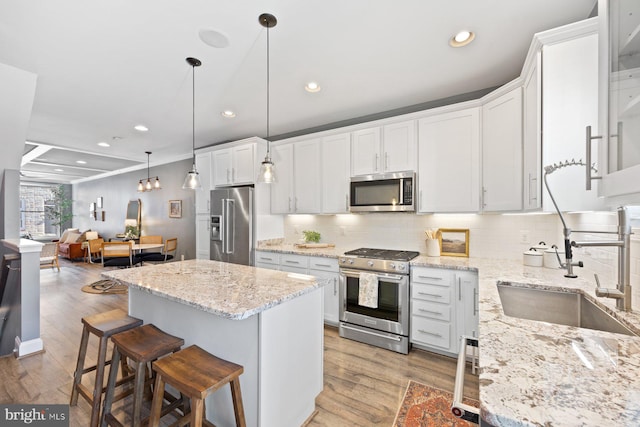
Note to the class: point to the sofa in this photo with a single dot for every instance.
(71, 242)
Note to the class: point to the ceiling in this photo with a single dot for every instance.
(104, 67)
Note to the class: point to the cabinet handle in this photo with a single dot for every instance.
(346, 202)
(291, 262)
(289, 210)
(475, 301)
(375, 164)
(228, 180)
(430, 295)
(262, 258)
(484, 196)
(233, 174)
(386, 161)
(422, 331)
(588, 157)
(422, 310)
(335, 288)
(429, 277)
(295, 204)
(459, 290)
(323, 265)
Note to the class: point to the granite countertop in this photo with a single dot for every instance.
(541, 374)
(228, 290)
(291, 248)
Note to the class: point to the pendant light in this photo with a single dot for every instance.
(192, 180)
(267, 173)
(147, 186)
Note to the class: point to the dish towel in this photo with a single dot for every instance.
(368, 290)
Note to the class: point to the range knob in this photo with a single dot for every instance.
(350, 261)
(342, 260)
(370, 263)
(393, 266)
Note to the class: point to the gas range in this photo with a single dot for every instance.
(384, 260)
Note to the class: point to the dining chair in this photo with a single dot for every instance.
(168, 252)
(150, 239)
(49, 255)
(117, 254)
(95, 246)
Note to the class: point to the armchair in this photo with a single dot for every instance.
(49, 256)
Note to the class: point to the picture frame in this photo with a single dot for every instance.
(175, 208)
(99, 202)
(454, 242)
(92, 210)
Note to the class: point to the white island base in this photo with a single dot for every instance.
(281, 350)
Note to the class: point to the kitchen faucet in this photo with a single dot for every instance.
(622, 292)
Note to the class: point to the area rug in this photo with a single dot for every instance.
(105, 287)
(424, 406)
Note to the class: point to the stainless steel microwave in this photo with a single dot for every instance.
(390, 192)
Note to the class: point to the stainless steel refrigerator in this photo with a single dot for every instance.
(232, 225)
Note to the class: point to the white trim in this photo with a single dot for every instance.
(23, 245)
(25, 348)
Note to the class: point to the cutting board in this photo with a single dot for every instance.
(314, 245)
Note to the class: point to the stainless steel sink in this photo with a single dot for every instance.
(560, 307)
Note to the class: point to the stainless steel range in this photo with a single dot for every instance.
(374, 297)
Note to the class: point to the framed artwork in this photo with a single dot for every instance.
(454, 242)
(92, 210)
(175, 208)
(99, 203)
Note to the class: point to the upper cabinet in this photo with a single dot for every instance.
(234, 165)
(532, 137)
(449, 159)
(502, 153)
(619, 100)
(203, 166)
(390, 148)
(336, 157)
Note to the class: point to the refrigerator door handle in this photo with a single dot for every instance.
(230, 214)
(223, 226)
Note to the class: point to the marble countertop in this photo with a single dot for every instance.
(291, 248)
(228, 290)
(541, 374)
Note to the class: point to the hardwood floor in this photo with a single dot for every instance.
(363, 385)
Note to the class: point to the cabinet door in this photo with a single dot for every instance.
(399, 142)
(467, 304)
(307, 177)
(203, 165)
(203, 223)
(449, 162)
(532, 137)
(243, 170)
(221, 167)
(282, 189)
(502, 153)
(365, 152)
(569, 103)
(269, 260)
(336, 159)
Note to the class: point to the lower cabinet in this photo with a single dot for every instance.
(443, 308)
(320, 267)
(203, 240)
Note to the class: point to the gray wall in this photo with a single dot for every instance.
(116, 192)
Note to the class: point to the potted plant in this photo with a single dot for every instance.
(311, 236)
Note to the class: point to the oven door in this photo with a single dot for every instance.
(392, 313)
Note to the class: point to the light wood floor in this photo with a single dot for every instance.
(363, 385)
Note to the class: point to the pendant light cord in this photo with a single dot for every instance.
(193, 115)
(268, 142)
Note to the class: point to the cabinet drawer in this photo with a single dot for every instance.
(434, 276)
(431, 332)
(323, 264)
(290, 260)
(431, 309)
(267, 265)
(293, 269)
(267, 258)
(435, 293)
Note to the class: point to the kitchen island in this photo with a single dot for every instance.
(270, 322)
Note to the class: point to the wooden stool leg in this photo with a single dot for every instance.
(111, 385)
(99, 382)
(197, 409)
(77, 376)
(238, 408)
(141, 376)
(156, 403)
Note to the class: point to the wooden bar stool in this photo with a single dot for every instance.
(141, 346)
(102, 325)
(196, 374)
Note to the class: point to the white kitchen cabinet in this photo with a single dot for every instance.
(294, 263)
(569, 104)
(502, 153)
(619, 101)
(532, 136)
(203, 224)
(449, 162)
(444, 306)
(234, 165)
(203, 197)
(270, 260)
(391, 148)
(336, 168)
(299, 186)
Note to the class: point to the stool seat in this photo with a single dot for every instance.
(104, 326)
(195, 373)
(141, 346)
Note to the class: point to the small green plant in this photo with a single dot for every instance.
(311, 236)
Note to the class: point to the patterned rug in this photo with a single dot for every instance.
(424, 406)
(105, 287)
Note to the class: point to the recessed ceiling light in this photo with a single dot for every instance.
(214, 38)
(104, 144)
(228, 114)
(141, 128)
(81, 162)
(312, 87)
(463, 38)
(58, 170)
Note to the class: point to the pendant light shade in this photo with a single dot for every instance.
(192, 180)
(143, 185)
(267, 173)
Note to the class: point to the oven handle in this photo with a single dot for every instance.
(372, 333)
(356, 273)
